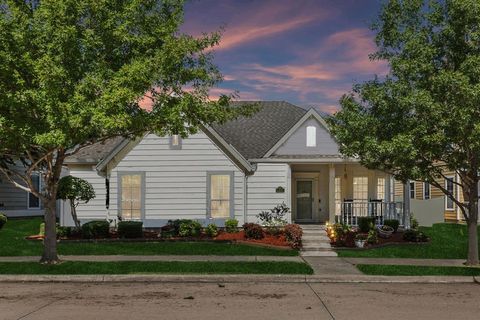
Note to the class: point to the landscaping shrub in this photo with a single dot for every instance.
(275, 217)
(253, 231)
(130, 229)
(231, 225)
(293, 234)
(175, 224)
(3, 220)
(414, 235)
(167, 231)
(189, 228)
(63, 232)
(211, 230)
(95, 229)
(365, 224)
(372, 236)
(394, 223)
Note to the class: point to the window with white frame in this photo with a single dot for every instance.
(311, 136)
(33, 200)
(131, 197)
(220, 195)
(338, 195)
(380, 188)
(450, 186)
(360, 188)
(426, 191)
(412, 190)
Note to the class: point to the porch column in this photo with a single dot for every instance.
(331, 193)
(388, 188)
(406, 204)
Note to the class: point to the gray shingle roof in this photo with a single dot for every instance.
(255, 135)
(95, 152)
(251, 136)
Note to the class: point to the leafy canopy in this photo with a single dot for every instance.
(73, 72)
(75, 189)
(424, 117)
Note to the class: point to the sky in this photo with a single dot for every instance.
(306, 52)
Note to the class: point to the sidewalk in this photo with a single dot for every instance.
(408, 262)
(111, 258)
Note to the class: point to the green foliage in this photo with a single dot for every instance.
(189, 228)
(231, 225)
(414, 235)
(96, 229)
(365, 224)
(275, 217)
(75, 189)
(394, 223)
(372, 236)
(211, 230)
(3, 220)
(293, 234)
(63, 232)
(413, 222)
(73, 73)
(130, 229)
(253, 231)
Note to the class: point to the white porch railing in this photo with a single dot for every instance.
(380, 210)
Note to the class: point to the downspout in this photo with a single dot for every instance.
(245, 198)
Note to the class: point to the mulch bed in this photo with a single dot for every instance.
(395, 239)
(278, 241)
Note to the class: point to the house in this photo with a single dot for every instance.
(282, 154)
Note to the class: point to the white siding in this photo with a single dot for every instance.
(176, 180)
(95, 209)
(262, 195)
(296, 144)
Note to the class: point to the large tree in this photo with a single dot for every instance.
(72, 73)
(423, 119)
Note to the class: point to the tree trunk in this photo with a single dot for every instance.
(73, 211)
(472, 222)
(50, 242)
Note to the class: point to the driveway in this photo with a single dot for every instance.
(238, 301)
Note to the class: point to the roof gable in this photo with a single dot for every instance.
(294, 141)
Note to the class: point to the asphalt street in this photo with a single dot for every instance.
(238, 301)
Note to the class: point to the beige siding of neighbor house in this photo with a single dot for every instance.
(176, 179)
(262, 188)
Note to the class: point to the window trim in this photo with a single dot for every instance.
(120, 174)
(232, 193)
(178, 146)
(384, 191)
(429, 191)
(313, 140)
(412, 190)
(454, 191)
(39, 189)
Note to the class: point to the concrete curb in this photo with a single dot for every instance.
(239, 279)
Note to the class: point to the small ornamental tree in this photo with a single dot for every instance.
(423, 119)
(76, 190)
(73, 73)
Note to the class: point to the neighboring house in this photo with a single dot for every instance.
(282, 154)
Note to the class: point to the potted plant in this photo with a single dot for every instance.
(385, 231)
(360, 240)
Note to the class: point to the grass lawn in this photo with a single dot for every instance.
(13, 244)
(137, 267)
(374, 269)
(448, 241)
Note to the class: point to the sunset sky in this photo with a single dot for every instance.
(307, 52)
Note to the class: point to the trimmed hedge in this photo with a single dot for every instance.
(130, 229)
(96, 229)
(231, 225)
(365, 224)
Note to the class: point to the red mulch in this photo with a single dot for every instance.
(268, 239)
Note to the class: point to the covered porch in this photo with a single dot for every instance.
(342, 192)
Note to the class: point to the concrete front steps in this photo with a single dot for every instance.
(315, 242)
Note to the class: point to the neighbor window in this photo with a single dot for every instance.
(311, 136)
(175, 142)
(131, 196)
(34, 201)
(381, 189)
(449, 185)
(412, 190)
(338, 195)
(426, 191)
(220, 197)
